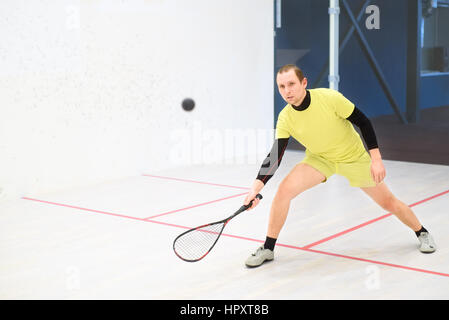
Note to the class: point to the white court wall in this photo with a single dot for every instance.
(90, 90)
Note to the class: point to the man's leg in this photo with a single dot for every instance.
(301, 178)
(383, 196)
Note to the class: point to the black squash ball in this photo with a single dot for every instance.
(188, 104)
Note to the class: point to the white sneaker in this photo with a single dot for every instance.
(260, 256)
(427, 244)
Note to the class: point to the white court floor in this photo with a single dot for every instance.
(114, 240)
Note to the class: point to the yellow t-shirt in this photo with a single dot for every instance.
(322, 128)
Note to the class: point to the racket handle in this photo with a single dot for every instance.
(258, 196)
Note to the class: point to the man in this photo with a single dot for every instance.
(321, 120)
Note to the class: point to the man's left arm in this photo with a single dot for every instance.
(366, 128)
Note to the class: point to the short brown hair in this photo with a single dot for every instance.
(289, 67)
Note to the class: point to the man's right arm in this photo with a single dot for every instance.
(268, 168)
(273, 160)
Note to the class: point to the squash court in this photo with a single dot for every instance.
(113, 240)
(125, 123)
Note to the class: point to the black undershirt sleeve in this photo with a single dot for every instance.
(273, 160)
(366, 128)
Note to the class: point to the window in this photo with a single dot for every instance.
(435, 37)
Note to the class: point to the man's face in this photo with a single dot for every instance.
(291, 89)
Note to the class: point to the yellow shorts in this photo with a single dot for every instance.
(358, 172)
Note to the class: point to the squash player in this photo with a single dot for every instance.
(322, 121)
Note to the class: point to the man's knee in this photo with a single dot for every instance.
(391, 204)
(287, 190)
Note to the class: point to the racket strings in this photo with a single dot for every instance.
(194, 244)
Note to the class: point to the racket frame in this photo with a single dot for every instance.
(224, 222)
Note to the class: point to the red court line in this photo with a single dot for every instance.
(378, 262)
(194, 206)
(194, 181)
(246, 238)
(103, 212)
(368, 222)
(344, 256)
